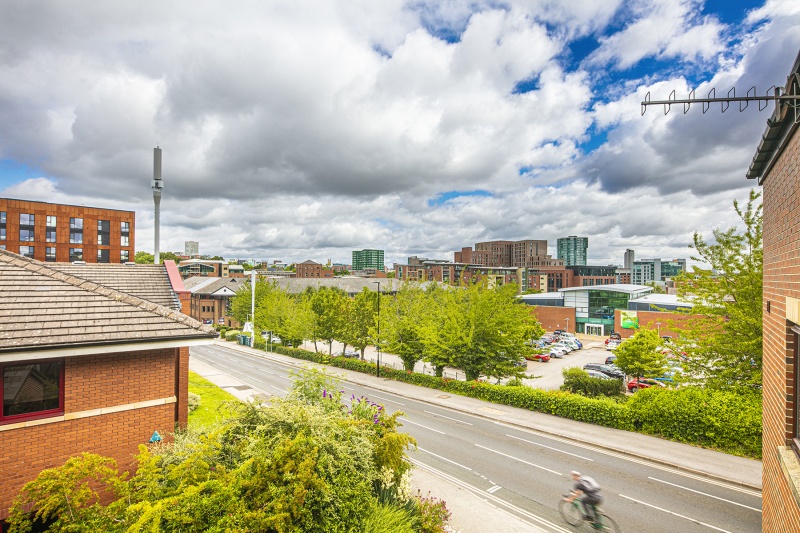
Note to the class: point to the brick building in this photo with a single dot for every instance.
(203, 267)
(518, 254)
(310, 269)
(776, 165)
(210, 298)
(86, 367)
(57, 232)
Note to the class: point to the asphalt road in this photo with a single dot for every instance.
(525, 471)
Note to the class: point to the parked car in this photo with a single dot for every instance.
(564, 345)
(611, 359)
(643, 383)
(608, 370)
(579, 343)
(571, 343)
(522, 362)
(612, 345)
(541, 357)
(557, 352)
(349, 354)
(614, 337)
(596, 374)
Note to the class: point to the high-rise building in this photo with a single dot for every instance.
(572, 250)
(508, 254)
(630, 257)
(64, 233)
(364, 259)
(191, 248)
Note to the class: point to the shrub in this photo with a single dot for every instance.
(433, 514)
(231, 335)
(578, 381)
(193, 402)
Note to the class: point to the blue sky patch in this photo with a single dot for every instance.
(445, 197)
(12, 172)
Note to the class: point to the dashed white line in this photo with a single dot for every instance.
(420, 425)
(549, 447)
(705, 494)
(449, 418)
(444, 459)
(492, 490)
(674, 514)
(387, 400)
(518, 459)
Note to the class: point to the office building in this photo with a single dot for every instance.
(655, 270)
(365, 259)
(57, 232)
(630, 257)
(572, 250)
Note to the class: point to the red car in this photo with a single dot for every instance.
(541, 357)
(643, 383)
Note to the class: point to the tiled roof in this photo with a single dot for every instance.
(148, 282)
(41, 307)
(218, 283)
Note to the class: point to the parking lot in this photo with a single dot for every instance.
(548, 375)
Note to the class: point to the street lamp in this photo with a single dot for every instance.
(567, 319)
(378, 371)
(658, 328)
(253, 308)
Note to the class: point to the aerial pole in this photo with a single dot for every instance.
(157, 186)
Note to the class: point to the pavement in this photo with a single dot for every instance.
(474, 514)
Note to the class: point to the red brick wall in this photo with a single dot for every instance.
(92, 382)
(553, 318)
(781, 200)
(650, 320)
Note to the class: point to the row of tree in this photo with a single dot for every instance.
(481, 330)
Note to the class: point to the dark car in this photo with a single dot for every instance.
(522, 362)
(608, 370)
(611, 359)
(643, 383)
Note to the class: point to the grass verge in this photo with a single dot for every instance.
(214, 402)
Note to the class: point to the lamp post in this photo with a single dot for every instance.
(567, 319)
(658, 328)
(253, 307)
(378, 371)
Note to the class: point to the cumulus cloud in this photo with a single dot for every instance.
(306, 129)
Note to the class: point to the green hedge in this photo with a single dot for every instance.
(724, 420)
(231, 335)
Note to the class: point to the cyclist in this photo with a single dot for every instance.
(590, 489)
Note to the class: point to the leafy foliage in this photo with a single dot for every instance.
(578, 381)
(722, 336)
(641, 355)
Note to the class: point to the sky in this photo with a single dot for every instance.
(305, 129)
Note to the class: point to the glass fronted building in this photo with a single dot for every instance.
(364, 259)
(572, 250)
(594, 306)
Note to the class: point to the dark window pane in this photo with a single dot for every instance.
(31, 388)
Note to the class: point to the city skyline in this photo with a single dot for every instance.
(300, 128)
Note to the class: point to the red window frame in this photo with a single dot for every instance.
(37, 414)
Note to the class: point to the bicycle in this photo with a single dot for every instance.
(572, 513)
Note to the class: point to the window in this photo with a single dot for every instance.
(795, 396)
(2, 234)
(31, 390)
(50, 235)
(2, 226)
(75, 237)
(76, 254)
(26, 235)
(26, 251)
(102, 256)
(75, 223)
(124, 256)
(103, 232)
(2, 217)
(124, 240)
(51, 221)
(26, 219)
(50, 254)
(76, 230)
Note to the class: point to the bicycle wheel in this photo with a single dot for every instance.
(571, 512)
(607, 524)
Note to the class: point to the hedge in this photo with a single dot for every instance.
(728, 421)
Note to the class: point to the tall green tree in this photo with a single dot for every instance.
(363, 312)
(330, 309)
(143, 258)
(401, 316)
(479, 330)
(642, 355)
(722, 336)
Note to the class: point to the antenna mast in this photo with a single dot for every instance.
(157, 187)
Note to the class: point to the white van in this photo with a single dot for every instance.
(565, 335)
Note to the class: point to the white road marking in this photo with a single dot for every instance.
(447, 417)
(549, 447)
(502, 504)
(387, 400)
(444, 459)
(518, 459)
(494, 489)
(420, 425)
(631, 459)
(675, 514)
(705, 494)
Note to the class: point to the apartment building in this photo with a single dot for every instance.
(518, 254)
(366, 259)
(572, 250)
(310, 269)
(648, 270)
(62, 233)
